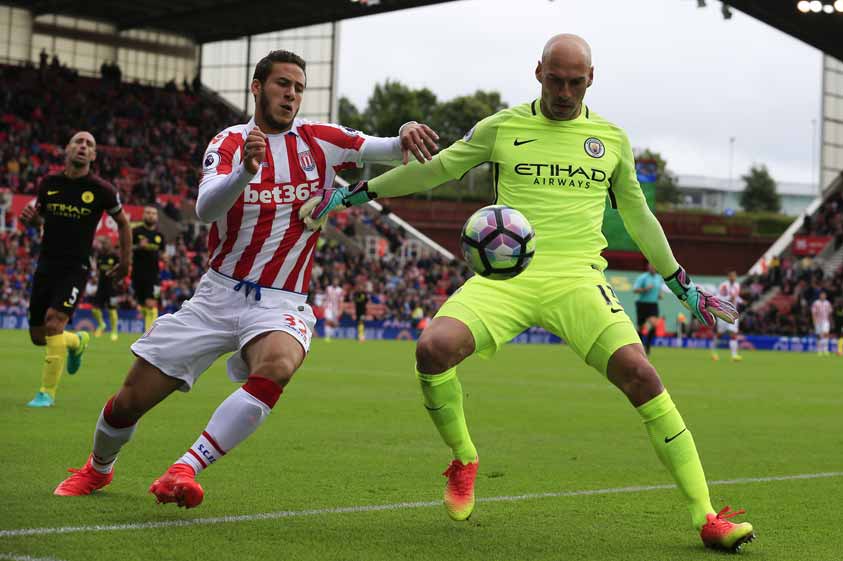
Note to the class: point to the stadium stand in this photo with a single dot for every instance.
(778, 300)
(150, 140)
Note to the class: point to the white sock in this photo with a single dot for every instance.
(822, 345)
(733, 346)
(329, 332)
(234, 420)
(108, 440)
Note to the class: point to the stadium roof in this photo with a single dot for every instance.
(215, 20)
(819, 29)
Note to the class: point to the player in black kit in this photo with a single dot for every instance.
(361, 298)
(69, 204)
(107, 287)
(147, 241)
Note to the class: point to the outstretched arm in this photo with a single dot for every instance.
(647, 233)
(413, 138)
(451, 163)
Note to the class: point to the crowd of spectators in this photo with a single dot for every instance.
(150, 140)
(799, 281)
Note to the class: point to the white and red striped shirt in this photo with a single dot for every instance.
(261, 238)
(334, 295)
(821, 311)
(731, 291)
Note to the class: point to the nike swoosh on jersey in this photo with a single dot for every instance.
(52, 192)
(517, 143)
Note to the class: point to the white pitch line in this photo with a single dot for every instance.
(15, 557)
(377, 508)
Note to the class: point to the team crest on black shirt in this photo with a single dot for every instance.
(594, 147)
(87, 197)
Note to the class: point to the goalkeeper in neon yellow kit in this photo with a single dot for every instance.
(557, 162)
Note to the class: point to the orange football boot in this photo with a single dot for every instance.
(178, 485)
(84, 481)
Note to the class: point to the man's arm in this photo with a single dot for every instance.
(123, 267)
(645, 230)
(413, 138)
(452, 163)
(225, 177)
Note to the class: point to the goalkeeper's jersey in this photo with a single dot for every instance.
(559, 174)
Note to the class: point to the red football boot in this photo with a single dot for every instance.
(719, 533)
(84, 481)
(178, 485)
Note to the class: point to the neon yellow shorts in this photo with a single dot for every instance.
(583, 311)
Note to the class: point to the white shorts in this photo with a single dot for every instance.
(330, 315)
(726, 327)
(822, 327)
(219, 320)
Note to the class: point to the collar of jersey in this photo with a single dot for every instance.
(293, 130)
(535, 105)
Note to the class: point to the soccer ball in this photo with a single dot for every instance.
(498, 242)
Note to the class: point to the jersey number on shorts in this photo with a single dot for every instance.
(296, 324)
(611, 302)
(72, 300)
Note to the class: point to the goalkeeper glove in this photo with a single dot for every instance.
(315, 211)
(704, 306)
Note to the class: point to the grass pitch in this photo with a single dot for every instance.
(350, 436)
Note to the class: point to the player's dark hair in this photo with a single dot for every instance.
(264, 65)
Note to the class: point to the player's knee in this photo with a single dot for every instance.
(640, 381)
(53, 326)
(436, 352)
(277, 367)
(37, 336)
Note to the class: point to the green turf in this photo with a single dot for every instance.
(351, 431)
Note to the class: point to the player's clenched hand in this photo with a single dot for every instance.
(419, 139)
(28, 215)
(315, 211)
(254, 150)
(706, 307)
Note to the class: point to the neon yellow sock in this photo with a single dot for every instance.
(71, 340)
(147, 318)
(53, 363)
(443, 401)
(675, 448)
(97, 313)
(361, 331)
(112, 316)
(840, 346)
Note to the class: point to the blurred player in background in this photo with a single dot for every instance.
(681, 327)
(556, 161)
(147, 242)
(838, 325)
(729, 290)
(69, 204)
(361, 298)
(821, 311)
(334, 296)
(648, 287)
(107, 287)
(252, 301)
